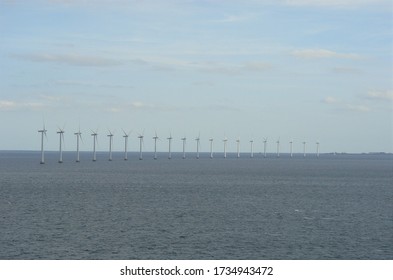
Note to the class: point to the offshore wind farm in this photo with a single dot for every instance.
(206, 130)
(223, 153)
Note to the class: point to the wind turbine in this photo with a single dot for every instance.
(238, 147)
(110, 135)
(290, 148)
(198, 139)
(211, 147)
(304, 149)
(140, 146)
(184, 146)
(252, 148)
(78, 137)
(317, 149)
(61, 136)
(225, 146)
(125, 144)
(170, 142)
(155, 145)
(264, 147)
(278, 147)
(43, 132)
(94, 134)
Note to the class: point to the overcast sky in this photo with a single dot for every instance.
(307, 70)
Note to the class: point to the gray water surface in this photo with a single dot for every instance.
(334, 207)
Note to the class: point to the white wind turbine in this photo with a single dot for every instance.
(155, 145)
(126, 144)
(290, 148)
(43, 132)
(252, 148)
(238, 147)
(61, 136)
(95, 141)
(78, 137)
(211, 147)
(304, 149)
(169, 148)
(140, 136)
(264, 146)
(198, 139)
(278, 147)
(225, 140)
(110, 135)
(317, 149)
(184, 146)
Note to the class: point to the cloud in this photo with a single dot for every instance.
(170, 64)
(323, 53)
(233, 18)
(385, 95)
(88, 84)
(136, 106)
(232, 69)
(330, 100)
(357, 108)
(8, 105)
(345, 106)
(336, 3)
(70, 59)
(256, 66)
(346, 70)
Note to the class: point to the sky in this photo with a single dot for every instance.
(296, 70)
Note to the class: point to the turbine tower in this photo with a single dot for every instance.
(290, 148)
(304, 149)
(317, 149)
(170, 142)
(225, 147)
(78, 137)
(43, 132)
(278, 147)
(211, 147)
(140, 146)
(238, 147)
(110, 135)
(184, 146)
(61, 136)
(155, 145)
(94, 134)
(198, 139)
(252, 148)
(125, 144)
(264, 146)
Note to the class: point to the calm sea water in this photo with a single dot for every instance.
(334, 207)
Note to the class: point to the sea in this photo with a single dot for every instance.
(332, 207)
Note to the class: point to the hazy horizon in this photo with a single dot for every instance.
(290, 69)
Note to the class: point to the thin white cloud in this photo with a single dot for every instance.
(70, 59)
(88, 84)
(136, 106)
(357, 108)
(323, 53)
(385, 95)
(231, 69)
(330, 100)
(346, 70)
(233, 19)
(345, 106)
(336, 3)
(9, 105)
